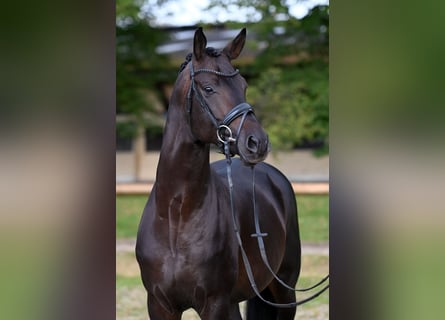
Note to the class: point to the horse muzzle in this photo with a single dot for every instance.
(253, 147)
(249, 140)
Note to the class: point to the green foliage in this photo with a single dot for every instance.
(126, 129)
(316, 31)
(128, 9)
(288, 83)
(290, 91)
(292, 104)
(137, 71)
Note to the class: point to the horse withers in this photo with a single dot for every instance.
(187, 246)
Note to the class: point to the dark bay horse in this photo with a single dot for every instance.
(186, 245)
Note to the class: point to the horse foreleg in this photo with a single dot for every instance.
(157, 311)
(219, 308)
(259, 310)
(283, 295)
(276, 293)
(234, 312)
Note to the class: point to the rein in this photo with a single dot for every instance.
(259, 235)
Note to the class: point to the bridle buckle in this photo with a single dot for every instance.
(224, 134)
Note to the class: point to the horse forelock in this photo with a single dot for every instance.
(210, 51)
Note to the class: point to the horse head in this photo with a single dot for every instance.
(216, 101)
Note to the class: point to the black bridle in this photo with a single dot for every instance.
(225, 138)
(223, 131)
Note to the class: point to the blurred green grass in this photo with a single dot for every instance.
(313, 216)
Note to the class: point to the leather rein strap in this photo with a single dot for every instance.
(259, 235)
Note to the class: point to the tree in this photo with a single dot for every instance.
(136, 77)
(292, 105)
(289, 78)
(291, 91)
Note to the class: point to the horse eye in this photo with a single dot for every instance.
(208, 89)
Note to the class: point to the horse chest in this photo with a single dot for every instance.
(195, 268)
(180, 240)
(195, 251)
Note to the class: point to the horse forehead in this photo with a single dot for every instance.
(220, 63)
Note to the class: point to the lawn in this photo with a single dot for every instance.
(313, 216)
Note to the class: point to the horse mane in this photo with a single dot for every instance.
(185, 63)
(212, 52)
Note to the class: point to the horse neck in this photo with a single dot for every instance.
(183, 173)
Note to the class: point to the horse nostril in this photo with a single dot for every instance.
(252, 144)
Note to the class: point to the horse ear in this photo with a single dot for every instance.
(234, 48)
(199, 44)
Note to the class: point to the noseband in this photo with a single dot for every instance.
(223, 131)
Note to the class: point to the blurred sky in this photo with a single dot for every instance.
(183, 13)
